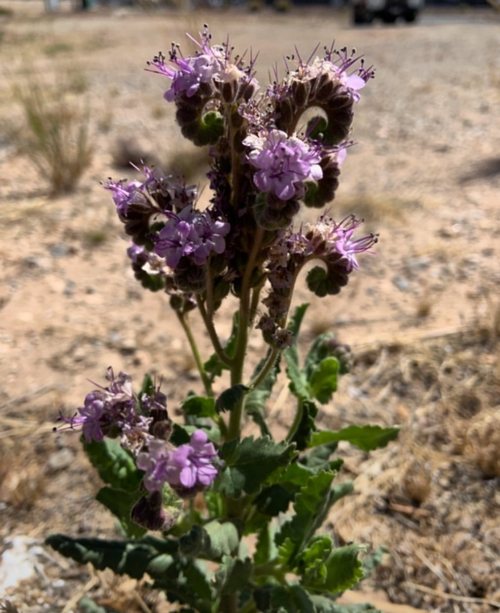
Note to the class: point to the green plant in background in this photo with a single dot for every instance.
(236, 517)
(57, 135)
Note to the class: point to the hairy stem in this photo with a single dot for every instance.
(296, 422)
(266, 368)
(242, 340)
(196, 354)
(209, 324)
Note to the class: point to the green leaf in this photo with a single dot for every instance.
(133, 558)
(342, 570)
(366, 438)
(306, 425)
(120, 503)
(265, 550)
(310, 506)
(115, 466)
(249, 462)
(223, 538)
(312, 562)
(231, 398)
(283, 599)
(180, 578)
(323, 379)
(213, 366)
(233, 575)
(199, 406)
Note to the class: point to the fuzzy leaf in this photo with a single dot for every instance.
(115, 466)
(224, 539)
(265, 550)
(283, 599)
(249, 462)
(310, 506)
(306, 426)
(233, 575)
(341, 569)
(230, 398)
(120, 503)
(199, 406)
(180, 578)
(366, 438)
(323, 379)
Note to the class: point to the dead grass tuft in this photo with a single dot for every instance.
(56, 134)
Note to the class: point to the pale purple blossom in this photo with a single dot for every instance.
(283, 163)
(188, 73)
(108, 410)
(186, 468)
(349, 247)
(192, 234)
(124, 192)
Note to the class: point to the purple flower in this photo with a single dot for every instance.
(186, 468)
(108, 411)
(283, 163)
(123, 192)
(191, 234)
(347, 246)
(188, 73)
(191, 465)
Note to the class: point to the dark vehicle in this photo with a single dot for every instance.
(389, 11)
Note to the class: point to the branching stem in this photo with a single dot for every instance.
(196, 354)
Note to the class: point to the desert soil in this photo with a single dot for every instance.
(422, 316)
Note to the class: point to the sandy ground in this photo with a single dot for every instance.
(422, 315)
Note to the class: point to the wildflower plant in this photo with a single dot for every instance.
(236, 515)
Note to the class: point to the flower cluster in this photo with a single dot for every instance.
(143, 427)
(190, 234)
(333, 244)
(186, 468)
(283, 163)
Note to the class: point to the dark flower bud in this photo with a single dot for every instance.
(149, 513)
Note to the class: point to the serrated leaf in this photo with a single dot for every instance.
(120, 503)
(158, 558)
(343, 570)
(233, 575)
(231, 398)
(323, 379)
(310, 506)
(223, 537)
(115, 466)
(249, 462)
(199, 406)
(306, 425)
(265, 550)
(366, 438)
(283, 599)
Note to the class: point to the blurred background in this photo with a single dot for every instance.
(422, 317)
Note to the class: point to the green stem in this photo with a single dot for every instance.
(213, 334)
(296, 421)
(255, 299)
(242, 340)
(266, 368)
(196, 354)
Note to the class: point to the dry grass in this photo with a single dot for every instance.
(56, 136)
